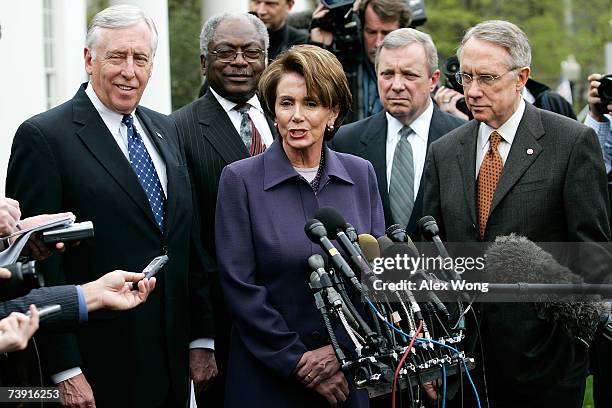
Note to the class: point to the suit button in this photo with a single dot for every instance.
(164, 250)
(316, 336)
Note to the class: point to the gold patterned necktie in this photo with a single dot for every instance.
(488, 176)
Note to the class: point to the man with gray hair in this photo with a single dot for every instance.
(395, 140)
(519, 169)
(226, 124)
(120, 165)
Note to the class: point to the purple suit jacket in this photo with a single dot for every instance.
(262, 250)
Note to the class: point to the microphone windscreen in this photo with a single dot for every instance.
(331, 219)
(513, 259)
(369, 246)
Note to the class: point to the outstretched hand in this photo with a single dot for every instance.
(114, 291)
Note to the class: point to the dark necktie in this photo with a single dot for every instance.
(401, 186)
(488, 176)
(142, 164)
(248, 132)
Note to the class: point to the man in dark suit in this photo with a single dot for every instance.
(216, 130)
(274, 13)
(518, 169)
(406, 67)
(108, 160)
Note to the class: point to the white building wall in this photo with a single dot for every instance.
(22, 76)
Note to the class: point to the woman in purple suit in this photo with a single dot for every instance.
(280, 354)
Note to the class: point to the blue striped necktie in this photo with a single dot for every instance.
(142, 164)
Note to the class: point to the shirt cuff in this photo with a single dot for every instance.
(83, 315)
(66, 375)
(203, 343)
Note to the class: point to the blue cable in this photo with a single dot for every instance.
(467, 371)
(443, 386)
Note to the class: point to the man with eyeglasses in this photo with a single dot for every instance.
(226, 124)
(519, 169)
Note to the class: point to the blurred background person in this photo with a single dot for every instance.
(279, 352)
(377, 19)
(274, 13)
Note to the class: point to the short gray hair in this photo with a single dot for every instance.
(506, 35)
(210, 26)
(119, 16)
(403, 37)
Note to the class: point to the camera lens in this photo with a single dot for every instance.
(23, 279)
(605, 89)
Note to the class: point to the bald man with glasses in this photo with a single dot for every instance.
(518, 169)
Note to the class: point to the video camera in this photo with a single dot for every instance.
(343, 22)
(605, 89)
(451, 66)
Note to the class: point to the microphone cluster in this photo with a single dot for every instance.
(392, 338)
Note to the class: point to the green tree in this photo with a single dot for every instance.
(185, 74)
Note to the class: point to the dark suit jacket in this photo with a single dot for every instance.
(65, 296)
(284, 38)
(556, 193)
(211, 142)
(368, 137)
(66, 160)
(262, 208)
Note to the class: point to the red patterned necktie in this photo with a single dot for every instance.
(488, 176)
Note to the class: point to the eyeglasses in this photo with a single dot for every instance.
(483, 80)
(230, 54)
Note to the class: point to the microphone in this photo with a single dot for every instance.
(334, 223)
(512, 259)
(317, 265)
(429, 228)
(369, 246)
(351, 232)
(317, 233)
(396, 233)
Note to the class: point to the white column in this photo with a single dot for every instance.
(22, 75)
(157, 95)
(70, 25)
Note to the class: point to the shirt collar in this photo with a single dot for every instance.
(111, 119)
(508, 130)
(278, 169)
(420, 126)
(228, 105)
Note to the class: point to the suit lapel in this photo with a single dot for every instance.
(219, 130)
(374, 148)
(95, 135)
(530, 129)
(466, 155)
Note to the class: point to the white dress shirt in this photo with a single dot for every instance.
(418, 141)
(112, 120)
(256, 114)
(507, 131)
